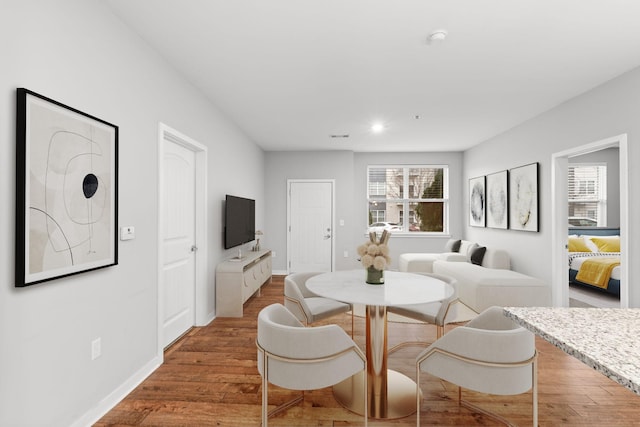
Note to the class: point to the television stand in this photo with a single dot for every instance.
(237, 279)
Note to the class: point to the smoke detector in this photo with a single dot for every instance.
(437, 36)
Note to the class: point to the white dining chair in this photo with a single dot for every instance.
(307, 306)
(433, 313)
(296, 357)
(490, 354)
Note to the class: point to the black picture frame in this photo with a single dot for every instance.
(524, 198)
(477, 202)
(66, 191)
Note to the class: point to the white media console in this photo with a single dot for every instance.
(238, 279)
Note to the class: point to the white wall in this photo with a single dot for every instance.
(350, 172)
(606, 111)
(282, 166)
(76, 52)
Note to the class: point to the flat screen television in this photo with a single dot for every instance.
(239, 222)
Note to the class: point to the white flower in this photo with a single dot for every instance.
(362, 249)
(375, 252)
(379, 263)
(367, 261)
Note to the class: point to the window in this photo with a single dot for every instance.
(412, 198)
(376, 216)
(587, 195)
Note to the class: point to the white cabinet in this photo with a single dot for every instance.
(237, 280)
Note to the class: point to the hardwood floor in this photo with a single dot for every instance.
(210, 378)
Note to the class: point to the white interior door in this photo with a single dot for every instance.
(178, 241)
(310, 226)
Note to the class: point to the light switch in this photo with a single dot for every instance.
(127, 233)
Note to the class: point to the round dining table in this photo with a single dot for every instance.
(390, 393)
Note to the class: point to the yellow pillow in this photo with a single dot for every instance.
(607, 244)
(577, 244)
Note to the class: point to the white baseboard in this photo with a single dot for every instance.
(208, 320)
(279, 272)
(109, 402)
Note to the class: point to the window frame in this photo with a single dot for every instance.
(601, 191)
(405, 202)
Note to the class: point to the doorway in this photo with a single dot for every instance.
(560, 162)
(310, 231)
(182, 267)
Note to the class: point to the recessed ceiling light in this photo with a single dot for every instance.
(437, 36)
(377, 127)
(343, 135)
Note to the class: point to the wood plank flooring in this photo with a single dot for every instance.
(210, 378)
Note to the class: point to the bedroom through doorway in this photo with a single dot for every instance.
(578, 220)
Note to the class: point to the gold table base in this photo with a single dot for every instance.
(400, 401)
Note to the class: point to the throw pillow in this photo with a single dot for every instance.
(478, 255)
(452, 245)
(592, 246)
(472, 248)
(607, 244)
(577, 244)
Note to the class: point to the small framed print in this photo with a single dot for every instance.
(523, 198)
(477, 201)
(497, 200)
(66, 191)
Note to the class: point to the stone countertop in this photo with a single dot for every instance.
(606, 339)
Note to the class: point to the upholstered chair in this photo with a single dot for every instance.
(307, 306)
(434, 313)
(296, 357)
(490, 354)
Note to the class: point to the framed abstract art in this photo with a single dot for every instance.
(523, 198)
(477, 202)
(497, 200)
(66, 190)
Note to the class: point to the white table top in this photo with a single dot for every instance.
(400, 288)
(605, 339)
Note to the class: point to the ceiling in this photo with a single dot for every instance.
(291, 73)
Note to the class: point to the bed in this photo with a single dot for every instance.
(594, 258)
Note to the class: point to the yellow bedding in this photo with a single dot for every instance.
(597, 272)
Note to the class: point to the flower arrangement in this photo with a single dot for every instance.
(374, 255)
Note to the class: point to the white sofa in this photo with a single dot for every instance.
(423, 262)
(481, 286)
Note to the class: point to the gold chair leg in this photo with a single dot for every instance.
(407, 344)
(265, 404)
(352, 332)
(286, 405)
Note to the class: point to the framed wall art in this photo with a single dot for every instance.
(477, 201)
(497, 200)
(523, 198)
(66, 190)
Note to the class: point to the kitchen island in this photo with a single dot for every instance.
(606, 339)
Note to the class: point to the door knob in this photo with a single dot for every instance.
(194, 248)
(328, 236)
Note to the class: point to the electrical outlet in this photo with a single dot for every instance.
(96, 348)
(273, 254)
(346, 254)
